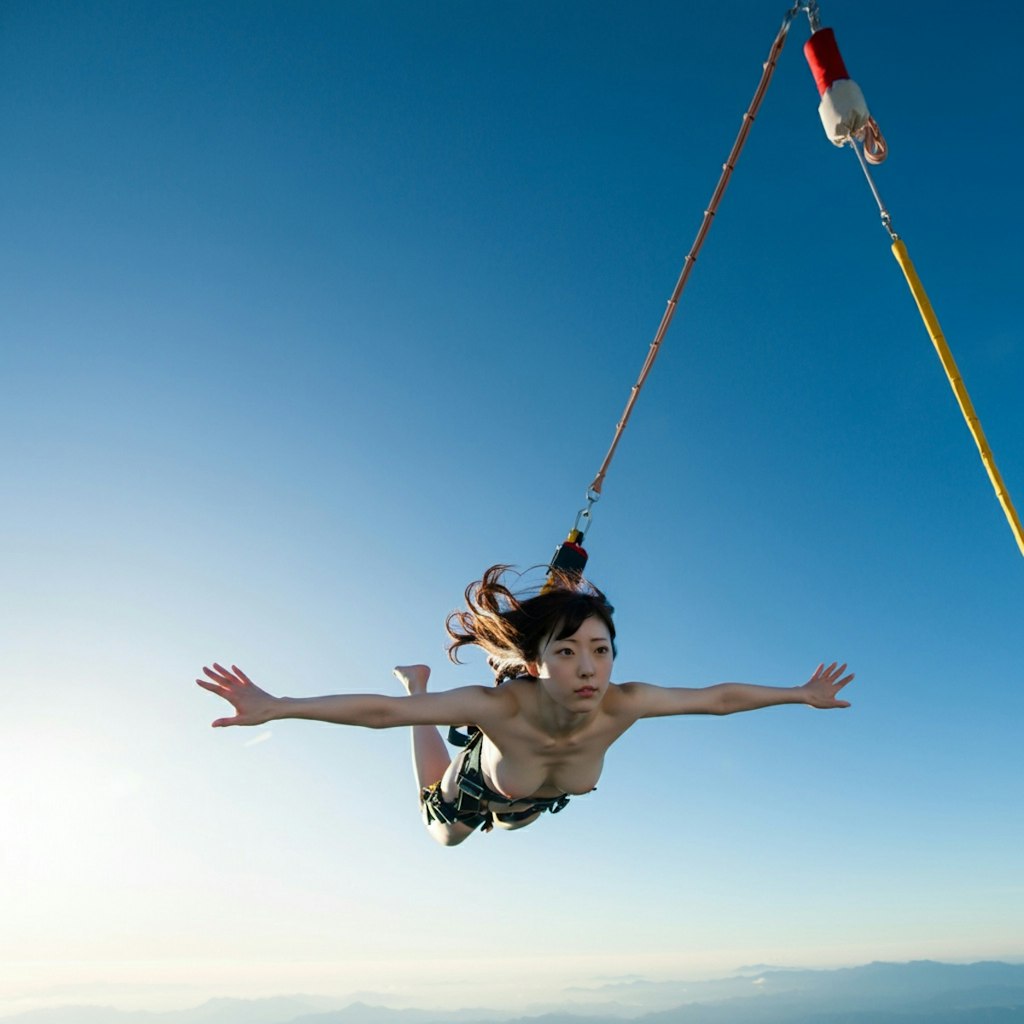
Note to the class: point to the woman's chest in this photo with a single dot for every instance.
(524, 766)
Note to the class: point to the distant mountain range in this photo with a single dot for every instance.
(921, 992)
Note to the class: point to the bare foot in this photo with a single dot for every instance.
(413, 677)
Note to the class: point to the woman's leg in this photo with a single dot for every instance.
(430, 760)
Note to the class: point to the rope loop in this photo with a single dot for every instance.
(876, 149)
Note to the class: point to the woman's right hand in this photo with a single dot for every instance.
(252, 705)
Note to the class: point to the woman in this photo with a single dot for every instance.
(540, 734)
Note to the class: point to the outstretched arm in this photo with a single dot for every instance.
(820, 691)
(469, 705)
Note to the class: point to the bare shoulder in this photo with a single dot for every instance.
(514, 694)
(624, 699)
(629, 693)
(497, 700)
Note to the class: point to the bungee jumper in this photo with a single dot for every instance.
(540, 734)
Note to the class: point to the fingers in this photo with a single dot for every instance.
(837, 681)
(218, 675)
(233, 677)
(826, 682)
(832, 673)
(835, 677)
(226, 684)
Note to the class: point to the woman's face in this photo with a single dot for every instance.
(575, 671)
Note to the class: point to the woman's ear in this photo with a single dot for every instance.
(533, 669)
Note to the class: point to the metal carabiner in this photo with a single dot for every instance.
(583, 516)
(813, 14)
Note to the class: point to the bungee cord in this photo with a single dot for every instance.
(846, 120)
(570, 557)
(768, 70)
(945, 354)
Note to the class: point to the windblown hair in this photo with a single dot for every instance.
(512, 628)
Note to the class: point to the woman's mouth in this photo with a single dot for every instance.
(586, 691)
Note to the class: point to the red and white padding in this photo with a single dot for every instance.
(843, 110)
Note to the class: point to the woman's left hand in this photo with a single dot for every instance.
(820, 690)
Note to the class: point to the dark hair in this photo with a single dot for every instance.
(511, 628)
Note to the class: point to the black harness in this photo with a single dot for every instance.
(471, 805)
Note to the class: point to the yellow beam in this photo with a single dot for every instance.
(899, 250)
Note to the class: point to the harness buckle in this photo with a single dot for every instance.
(472, 788)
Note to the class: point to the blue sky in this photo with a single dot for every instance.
(310, 312)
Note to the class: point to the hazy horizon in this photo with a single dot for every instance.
(879, 984)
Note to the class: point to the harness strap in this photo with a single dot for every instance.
(448, 812)
(458, 739)
(474, 792)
